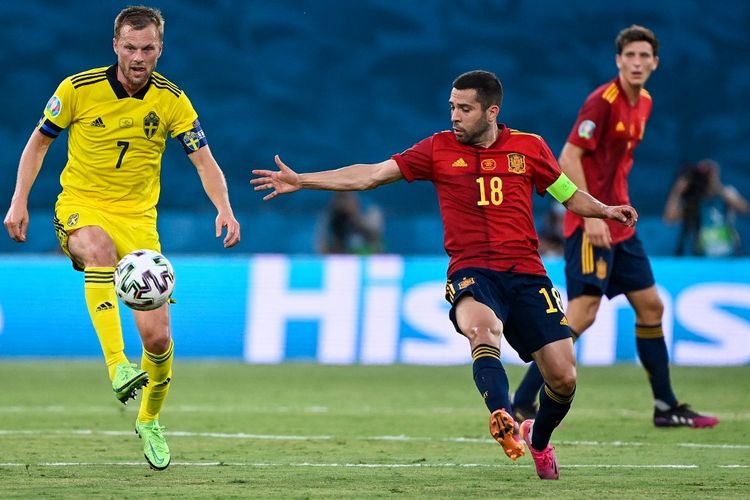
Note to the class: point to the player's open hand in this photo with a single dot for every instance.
(625, 214)
(16, 222)
(233, 229)
(285, 180)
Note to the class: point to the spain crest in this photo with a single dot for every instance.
(516, 163)
(601, 268)
(150, 124)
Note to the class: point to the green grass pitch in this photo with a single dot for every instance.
(304, 431)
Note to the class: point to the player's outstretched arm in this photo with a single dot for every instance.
(17, 218)
(585, 205)
(358, 177)
(215, 186)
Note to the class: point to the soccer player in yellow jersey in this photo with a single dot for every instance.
(118, 119)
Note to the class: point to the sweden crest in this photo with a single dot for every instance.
(150, 124)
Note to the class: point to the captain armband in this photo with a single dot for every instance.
(193, 139)
(48, 128)
(562, 189)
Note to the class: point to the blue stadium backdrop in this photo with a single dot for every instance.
(341, 310)
(330, 82)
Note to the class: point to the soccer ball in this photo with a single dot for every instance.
(144, 280)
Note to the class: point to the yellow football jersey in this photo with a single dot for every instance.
(116, 141)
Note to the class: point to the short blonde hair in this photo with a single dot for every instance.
(139, 17)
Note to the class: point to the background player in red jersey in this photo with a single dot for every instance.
(602, 258)
(484, 173)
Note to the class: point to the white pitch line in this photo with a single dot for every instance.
(364, 466)
(241, 435)
(395, 438)
(721, 446)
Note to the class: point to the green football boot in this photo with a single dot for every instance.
(155, 447)
(128, 379)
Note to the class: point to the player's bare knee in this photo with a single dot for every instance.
(568, 383)
(156, 342)
(155, 335)
(478, 335)
(647, 305)
(563, 382)
(650, 312)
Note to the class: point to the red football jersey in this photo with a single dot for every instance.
(609, 129)
(485, 196)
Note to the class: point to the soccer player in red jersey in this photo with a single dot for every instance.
(602, 258)
(484, 174)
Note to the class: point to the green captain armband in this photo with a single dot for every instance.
(562, 189)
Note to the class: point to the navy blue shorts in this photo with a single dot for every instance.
(527, 304)
(591, 270)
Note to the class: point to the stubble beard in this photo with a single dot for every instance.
(472, 137)
(139, 81)
(136, 82)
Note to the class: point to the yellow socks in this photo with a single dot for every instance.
(159, 369)
(101, 302)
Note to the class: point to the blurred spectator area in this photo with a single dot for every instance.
(276, 232)
(326, 83)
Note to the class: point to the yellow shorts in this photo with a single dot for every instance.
(128, 232)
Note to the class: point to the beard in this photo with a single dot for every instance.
(472, 136)
(136, 79)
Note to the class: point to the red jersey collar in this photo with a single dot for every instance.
(624, 94)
